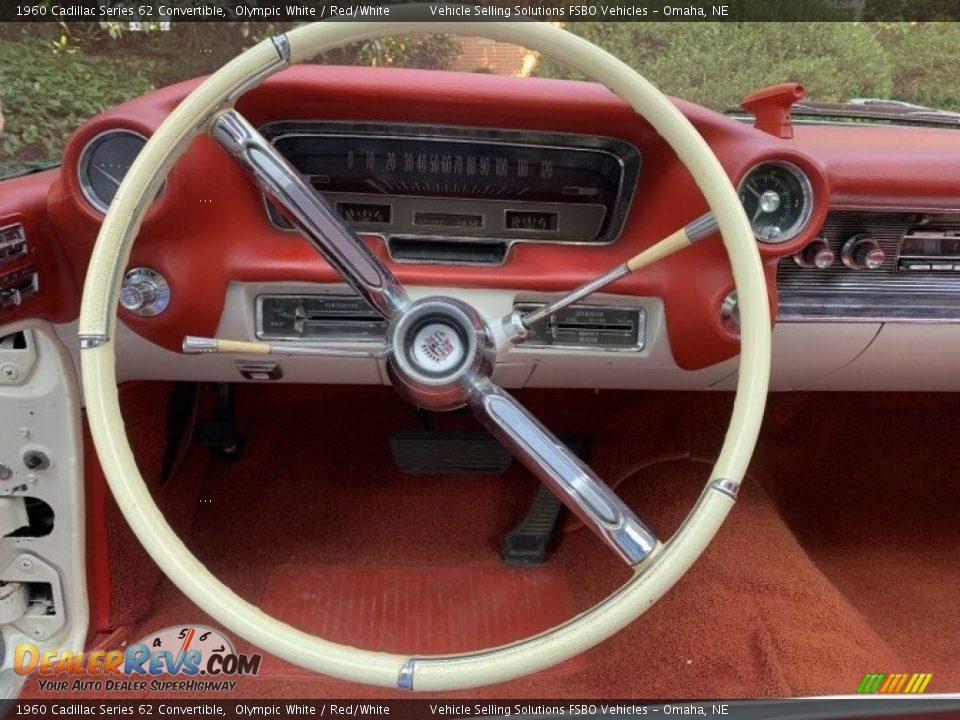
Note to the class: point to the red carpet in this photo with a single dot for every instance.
(417, 610)
(839, 559)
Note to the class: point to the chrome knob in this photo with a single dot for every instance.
(862, 252)
(144, 292)
(817, 254)
(730, 313)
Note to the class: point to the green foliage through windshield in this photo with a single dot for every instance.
(716, 64)
(55, 76)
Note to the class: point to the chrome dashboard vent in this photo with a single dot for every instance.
(897, 290)
(447, 252)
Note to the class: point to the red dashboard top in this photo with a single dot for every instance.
(209, 225)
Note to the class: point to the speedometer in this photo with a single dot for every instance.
(778, 200)
(416, 181)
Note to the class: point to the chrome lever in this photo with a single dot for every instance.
(517, 325)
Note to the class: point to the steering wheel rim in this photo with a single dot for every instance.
(652, 578)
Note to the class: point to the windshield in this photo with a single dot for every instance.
(55, 76)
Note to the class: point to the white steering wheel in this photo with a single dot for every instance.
(455, 370)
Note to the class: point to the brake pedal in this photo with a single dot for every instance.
(448, 452)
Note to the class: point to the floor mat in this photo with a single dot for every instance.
(417, 610)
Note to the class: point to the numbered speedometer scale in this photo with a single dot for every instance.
(186, 638)
(777, 198)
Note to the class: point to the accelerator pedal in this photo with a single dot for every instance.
(527, 543)
(220, 432)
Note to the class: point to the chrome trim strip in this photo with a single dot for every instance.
(88, 342)
(890, 293)
(193, 345)
(703, 226)
(573, 482)
(317, 220)
(282, 43)
(405, 676)
(876, 309)
(730, 488)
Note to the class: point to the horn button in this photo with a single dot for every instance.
(440, 349)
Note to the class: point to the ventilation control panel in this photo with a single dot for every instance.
(329, 318)
(13, 242)
(588, 327)
(17, 286)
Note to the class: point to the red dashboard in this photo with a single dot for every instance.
(209, 226)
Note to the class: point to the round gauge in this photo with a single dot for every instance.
(778, 199)
(104, 162)
(183, 638)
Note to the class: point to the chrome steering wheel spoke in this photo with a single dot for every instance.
(310, 213)
(570, 479)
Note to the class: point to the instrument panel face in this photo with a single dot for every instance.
(475, 183)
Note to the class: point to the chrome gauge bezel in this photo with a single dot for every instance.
(806, 189)
(83, 169)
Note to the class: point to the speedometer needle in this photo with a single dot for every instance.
(752, 189)
(107, 175)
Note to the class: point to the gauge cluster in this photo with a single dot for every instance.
(442, 182)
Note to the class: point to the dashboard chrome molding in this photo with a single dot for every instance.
(885, 294)
(627, 156)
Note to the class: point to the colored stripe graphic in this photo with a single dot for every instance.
(895, 683)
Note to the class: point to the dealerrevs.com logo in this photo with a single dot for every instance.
(190, 658)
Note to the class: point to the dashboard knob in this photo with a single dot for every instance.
(817, 254)
(730, 313)
(862, 252)
(144, 292)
